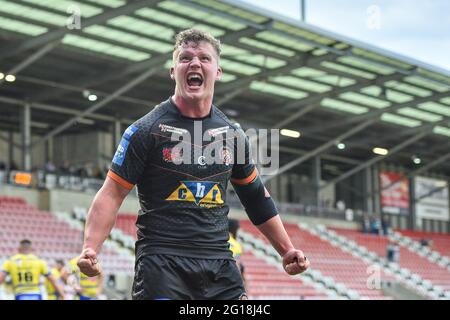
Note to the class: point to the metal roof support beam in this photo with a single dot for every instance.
(10, 150)
(314, 101)
(379, 112)
(229, 96)
(58, 34)
(431, 164)
(266, 27)
(339, 90)
(295, 116)
(79, 90)
(324, 156)
(26, 137)
(97, 106)
(240, 86)
(156, 62)
(319, 149)
(152, 62)
(28, 61)
(62, 110)
(7, 140)
(425, 131)
(221, 14)
(328, 48)
(302, 61)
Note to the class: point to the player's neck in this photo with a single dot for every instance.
(193, 108)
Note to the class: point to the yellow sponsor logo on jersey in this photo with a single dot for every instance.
(203, 193)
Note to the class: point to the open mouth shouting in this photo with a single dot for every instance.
(194, 80)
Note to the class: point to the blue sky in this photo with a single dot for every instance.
(419, 29)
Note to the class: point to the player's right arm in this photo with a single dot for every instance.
(100, 220)
(126, 169)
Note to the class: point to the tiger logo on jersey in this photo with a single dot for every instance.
(203, 193)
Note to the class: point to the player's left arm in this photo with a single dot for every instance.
(294, 261)
(261, 210)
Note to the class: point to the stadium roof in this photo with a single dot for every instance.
(278, 73)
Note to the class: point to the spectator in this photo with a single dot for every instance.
(82, 172)
(50, 167)
(393, 252)
(366, 223)
(390, 252)
(2, 165)
(340, 205)
(385, 225)
(64, 168)
(375, 225)
(98, 174)
(13, 166)
(396, 253)
(349, 214)
(426, 242)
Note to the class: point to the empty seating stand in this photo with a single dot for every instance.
(408, 259)
(265, 281)
(330, 260)
(127, 223)
(441, 242)
(52, 239)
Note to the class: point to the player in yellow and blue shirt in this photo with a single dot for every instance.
(25, 270)
(60, 274)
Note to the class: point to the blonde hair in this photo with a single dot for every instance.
(196, 36)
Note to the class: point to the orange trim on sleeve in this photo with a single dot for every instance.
(247, 180)
(124, 183)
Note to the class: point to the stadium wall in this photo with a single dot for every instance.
(63, 200)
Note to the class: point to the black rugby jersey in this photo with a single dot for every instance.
(183, 205)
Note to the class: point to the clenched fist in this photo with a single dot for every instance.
(295, 262)
(88, 263)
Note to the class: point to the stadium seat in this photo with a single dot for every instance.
(54, 236)
(342, 267)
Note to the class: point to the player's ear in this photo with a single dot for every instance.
(219, 73)
(172, 76)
